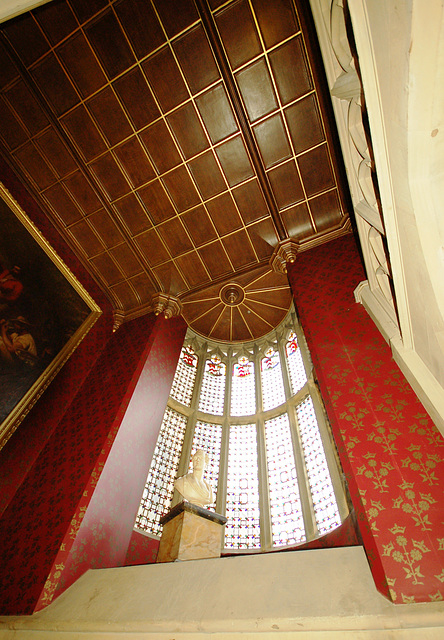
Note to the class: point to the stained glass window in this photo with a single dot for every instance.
(242, 509)
(212, 393)
(159, 486)
(283, 433)
(243, 394)
(296, 369)
(287, 524)
(323, 495)
(185, 376)
(273, 393)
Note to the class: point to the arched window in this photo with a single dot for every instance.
(255, 409)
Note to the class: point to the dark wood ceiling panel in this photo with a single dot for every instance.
(111, 178)
(286, 184)
(143, 287)
(192, 268)
(175, 237)
(205, 323)
(160, 146)
(224, 214)
(124, 292)
(238, 33)
(291, 70)
(141, 24)
(85, 9)
(156, 201)
(207, 175)
(187, 130)
(250, 201)
(217, 114)
(263, 238)
(257, 90)
(235, 161)
(181, 188)
(151, 246)
(277, 20)
(127, 261)
(35, 166)
(176, 15)
(272, 141)
(135, 162)
(297, 221)
(175, 143)
(56, 20)
(82, 192)
(326, 210)
(27, 38)
(56, 152)
(136, 97)
(215, 259)
(109, 115)
(84, 133)
(26, 107)
(107, 268)
(105, 228)
(196, 59)
(304, 124)
(11, 130)
(222, 328)
(316, 171)
(198, 225)
(170, 278)
(132, 214)
(86, 238)
(81, 64)
(163, 73)
(62, 204)
(55, 85)
(110, 44)
(239, 249)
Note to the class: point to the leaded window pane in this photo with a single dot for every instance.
(242, 511)
(273, 393)
(208, 437)
(212, 393)
(185, 376)
(159, 487)
(287, 523)
(321, 487)
(243, 395)
(296, 369)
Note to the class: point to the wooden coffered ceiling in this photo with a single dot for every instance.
(175, 144)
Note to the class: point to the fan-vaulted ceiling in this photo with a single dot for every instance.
(175, 144)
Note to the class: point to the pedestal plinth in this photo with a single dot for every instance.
(190, 533)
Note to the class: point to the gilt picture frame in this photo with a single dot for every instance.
(45, 313)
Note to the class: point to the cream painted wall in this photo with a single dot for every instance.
(400, 49)
(11, 8)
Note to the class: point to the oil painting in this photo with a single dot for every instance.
(44, 314)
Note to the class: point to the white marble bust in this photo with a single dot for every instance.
(192, 486)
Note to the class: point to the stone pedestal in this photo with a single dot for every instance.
(190, 533)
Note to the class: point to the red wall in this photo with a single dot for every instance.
(391, 451)
(142, 549)
(50, 466)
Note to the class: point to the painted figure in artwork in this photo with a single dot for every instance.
(193, 487)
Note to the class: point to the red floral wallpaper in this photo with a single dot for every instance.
(391, 451)
(142, 549)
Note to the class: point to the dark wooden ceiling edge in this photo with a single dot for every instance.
(233, 93)
(322, 89)
(342, 229)
(115, 303)
(231, 277)
(88, 175)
